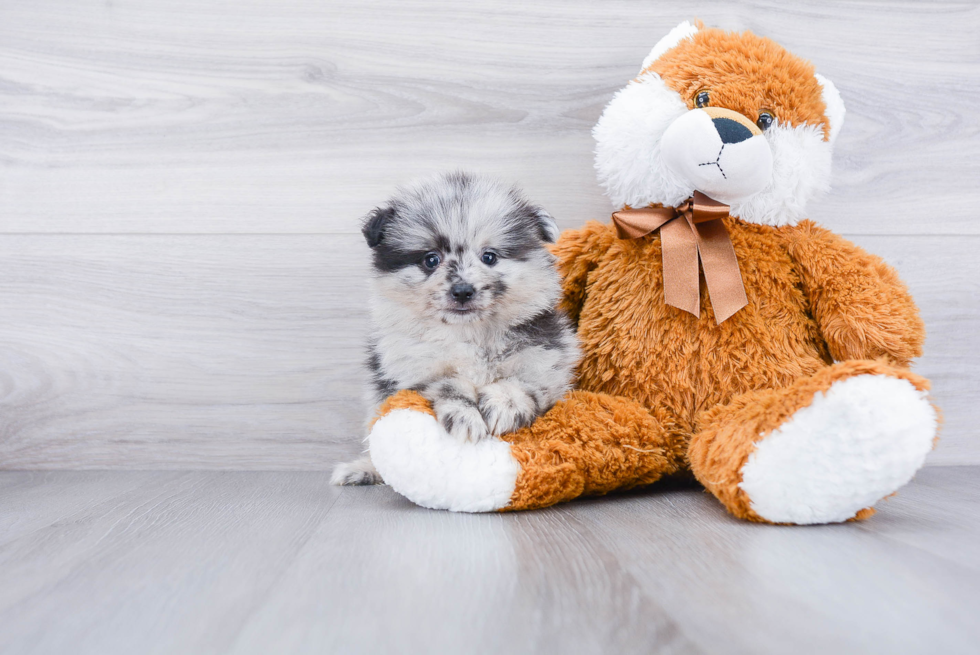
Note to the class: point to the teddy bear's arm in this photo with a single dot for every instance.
(577, 252)
(863, 309)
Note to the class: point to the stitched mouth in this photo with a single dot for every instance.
(717, 162)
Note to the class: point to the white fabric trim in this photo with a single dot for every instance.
(422, 462)
(853, 445)
(628, 161)
(683, 31)
(835, 106)
(740, 170)
(801, 163)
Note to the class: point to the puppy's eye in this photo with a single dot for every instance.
(701, 99)
(489, 258)
(765, 121)
(431, 260)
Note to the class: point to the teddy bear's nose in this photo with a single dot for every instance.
(731, 131)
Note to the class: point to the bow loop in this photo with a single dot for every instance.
(707, 209)
(699, 239)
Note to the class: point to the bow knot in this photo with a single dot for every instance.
(691, 235)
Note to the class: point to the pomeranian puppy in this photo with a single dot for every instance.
(464, 309)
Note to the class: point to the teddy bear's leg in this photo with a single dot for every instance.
(823, 450)
(587, 444)
(590, 444)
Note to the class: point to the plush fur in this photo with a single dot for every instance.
(588, 444)
(834, 457)
(463, 308)
(473, 477)
(745, 73)
(799, 408)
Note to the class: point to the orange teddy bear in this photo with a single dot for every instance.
(722, 334)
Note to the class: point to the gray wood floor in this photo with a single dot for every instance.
(181, 280)
(282, 562)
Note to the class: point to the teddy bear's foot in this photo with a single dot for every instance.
(421, 461)
(857, 443)
(586, 444)
(820, 451)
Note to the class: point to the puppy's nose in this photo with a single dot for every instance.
(731, 131)
(462, 292)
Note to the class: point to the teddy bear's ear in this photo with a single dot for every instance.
(835, 106)
(683, 31)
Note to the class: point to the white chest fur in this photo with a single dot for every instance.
(412, 355)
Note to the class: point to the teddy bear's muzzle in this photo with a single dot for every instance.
(718, 152)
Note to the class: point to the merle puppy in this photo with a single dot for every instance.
(464, 308)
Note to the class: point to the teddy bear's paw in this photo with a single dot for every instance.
(435, 469)
(856, 443)
(506, 407)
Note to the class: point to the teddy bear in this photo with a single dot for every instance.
(724, 335)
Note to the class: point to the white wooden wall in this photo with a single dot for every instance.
(181, 274)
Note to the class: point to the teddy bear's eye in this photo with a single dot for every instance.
(765, 121)
(701, 99)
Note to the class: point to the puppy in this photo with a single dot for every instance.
(464, 309)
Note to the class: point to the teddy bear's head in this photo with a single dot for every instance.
(732, 115)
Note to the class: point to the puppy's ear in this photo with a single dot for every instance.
(374, 224)
(547, 225)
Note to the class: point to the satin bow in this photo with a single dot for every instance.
(690, 234)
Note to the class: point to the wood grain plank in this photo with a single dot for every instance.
(168, 352)
(34, 500)
(299, 116)
(260, 562)
(176, 566)
(382, 569)
(840, 588)
(936, 515)
(227, 352)
(941, 275)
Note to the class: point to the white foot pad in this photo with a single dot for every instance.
(422, 462)
(856, 443)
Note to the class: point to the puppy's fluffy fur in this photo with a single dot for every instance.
(464, 308)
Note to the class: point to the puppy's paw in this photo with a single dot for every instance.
(463, 422)
(359, 472)
(506, 407)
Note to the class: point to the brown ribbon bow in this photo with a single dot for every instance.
(701, 235)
